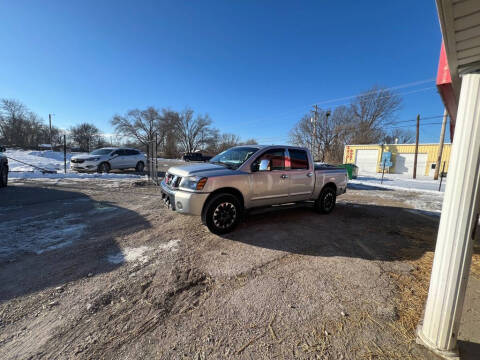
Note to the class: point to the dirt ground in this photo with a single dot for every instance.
(100, 269)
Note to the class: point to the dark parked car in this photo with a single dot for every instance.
(195, 156)
(3, 168)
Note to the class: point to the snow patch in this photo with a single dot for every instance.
(421, 200)
(138, 254)
(400, 182)
(52, 161)
(171, 245)
(49, 160)
(427, 202)
(169, 160)
(37, 234)
(129, 255)
(73, 175)
(99, 207)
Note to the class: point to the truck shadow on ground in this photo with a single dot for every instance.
(50, 237)
(365, 231)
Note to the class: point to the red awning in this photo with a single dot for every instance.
(445, 88)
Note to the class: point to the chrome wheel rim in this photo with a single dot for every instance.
(224, 215)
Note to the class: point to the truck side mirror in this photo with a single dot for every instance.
(264, 165)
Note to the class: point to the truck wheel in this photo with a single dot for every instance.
(222, 213)
(326, 200)
(3, 176)
(104, 167)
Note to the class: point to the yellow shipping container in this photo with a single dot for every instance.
(368, 157)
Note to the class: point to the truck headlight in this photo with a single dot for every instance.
(193, 183)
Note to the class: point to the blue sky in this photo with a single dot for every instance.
(254, 66)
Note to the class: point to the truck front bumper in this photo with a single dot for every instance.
(184, 202)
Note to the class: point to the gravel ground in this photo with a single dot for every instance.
(100, 269)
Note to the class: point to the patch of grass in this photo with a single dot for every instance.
(413, 291)
(475, 268)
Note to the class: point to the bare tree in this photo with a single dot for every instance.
(193, 132)
(364, 121)
(226, 141)
(87, 136)
(168, 138)
(372, 111)
(400, 136)
(302, 133)
(21, 127)
(140, 125)
(249, 142)
(219, 142)
(13, 116)
(326, 133)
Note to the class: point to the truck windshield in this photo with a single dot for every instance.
(234, 157)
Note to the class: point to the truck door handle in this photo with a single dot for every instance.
(310, 174)
(284, 176)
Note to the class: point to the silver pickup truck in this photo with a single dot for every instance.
(250, 176)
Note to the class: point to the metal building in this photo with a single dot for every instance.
(368, 158)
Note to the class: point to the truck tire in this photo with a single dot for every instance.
(222, 213)
(326, 200)
(3, 176)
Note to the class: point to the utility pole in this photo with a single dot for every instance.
(327, 114)
(442, 140)
(65, 153)
(314, 121)
(50, 122)
(416, 148)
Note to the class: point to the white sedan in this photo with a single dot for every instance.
(105, 159)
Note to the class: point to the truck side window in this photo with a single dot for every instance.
(298, 159)
(276, 157)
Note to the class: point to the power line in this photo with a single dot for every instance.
(402, 86)
(415, 83)
(276, 118)
(414, 125)
(425, 118)
(386, 96)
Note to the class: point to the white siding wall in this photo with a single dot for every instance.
(366, 160)
(404, 163)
